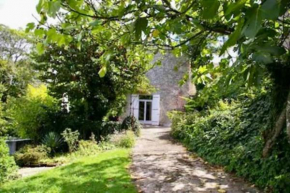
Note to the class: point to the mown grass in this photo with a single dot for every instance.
(105, 172)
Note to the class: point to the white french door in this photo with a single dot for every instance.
(145, 110)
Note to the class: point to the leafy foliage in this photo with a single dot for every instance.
(15, 69)
(53, 141)
(131, 123)
(95, 78)
(232, 135)
(7, 163)
(31, 155)
(29, 113)
(256, 29)
(87, 147)
(71, 138)
(3, 122)
(125, 140)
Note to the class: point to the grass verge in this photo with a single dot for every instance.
(105, 172)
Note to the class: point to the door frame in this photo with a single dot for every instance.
(144, 121)
(155, 110)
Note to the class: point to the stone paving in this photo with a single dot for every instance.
(161, 165)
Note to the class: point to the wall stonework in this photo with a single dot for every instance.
(165, 79)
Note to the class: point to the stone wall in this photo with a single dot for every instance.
(165, 79)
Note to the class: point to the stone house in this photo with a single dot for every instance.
(152, 109)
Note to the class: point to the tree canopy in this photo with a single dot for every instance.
(252, 36)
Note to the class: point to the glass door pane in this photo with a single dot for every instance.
(148, 110)
(141, 110)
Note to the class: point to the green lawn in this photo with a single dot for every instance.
(106, 172)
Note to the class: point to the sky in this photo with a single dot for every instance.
(17, 13)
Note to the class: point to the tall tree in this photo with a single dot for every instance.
(94, 72)
(16, 70)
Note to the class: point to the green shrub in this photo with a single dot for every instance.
(7, 163)
(71, 138)
(231, 136)
(87, 147)
(107, 128)
(125, 140)
(31, 155)
(131, 123)
(106, 145)
(53, 141)
(29, 113)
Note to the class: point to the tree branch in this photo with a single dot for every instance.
(276, 131)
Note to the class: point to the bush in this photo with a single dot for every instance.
(107, 128)
(87, 147)
(7, 163)
(71, 138)
(131, 123)
(53, 141)
(29, 113)
(31, 155)
(106, 145)
(231, 136)
(125, 140)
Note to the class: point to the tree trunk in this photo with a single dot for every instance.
(276, 131)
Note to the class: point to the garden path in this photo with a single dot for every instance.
(161, 165)
(25, 172)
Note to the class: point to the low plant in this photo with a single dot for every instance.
(131, 123)
(53, 141)
(87, 147)
(7, 163)
(71, 138)
(106, 145)
(125, 140)
(31, 155)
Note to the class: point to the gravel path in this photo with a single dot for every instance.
(25, 172)
(160, 165)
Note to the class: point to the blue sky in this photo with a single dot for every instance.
(17, 13)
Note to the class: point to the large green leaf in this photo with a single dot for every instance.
(39, 33)
(270, 9)
(103, 71)
(140, 25)
(254, 22)
(233, 37)
(210, 8)
(40, 48)
(39, 6)
(262, 57)
(29, 26)
(232, 7)
(51, 35)
(53, 8)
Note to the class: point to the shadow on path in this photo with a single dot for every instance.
(160, 165)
